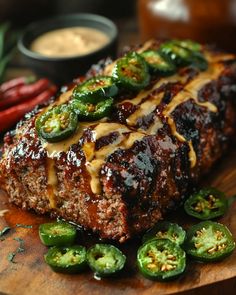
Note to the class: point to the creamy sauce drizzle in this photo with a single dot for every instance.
(94, 166)
(126, 138)
(154, 127)
(192, 88)
(52, 183)
(64, 97)
(95, 159)
(145, 109)
(144, 93)
(54, 149)
(218, 57)
(191, 91)
(192, 154)
(67, 42)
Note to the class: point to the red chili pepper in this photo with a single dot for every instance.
(16, 82)
(12, 115)
(20, 93)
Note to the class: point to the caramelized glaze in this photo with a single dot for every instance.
(145, 104)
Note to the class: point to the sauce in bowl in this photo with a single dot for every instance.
(68, 42)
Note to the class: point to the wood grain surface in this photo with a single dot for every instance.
(29, 275)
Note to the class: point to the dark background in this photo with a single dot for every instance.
(21, 12)
(209, 21)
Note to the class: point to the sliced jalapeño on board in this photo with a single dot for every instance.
(209, 241)
(105, 259)
(57, 233)
(166, 230)
(68, 259)
(161, 259)
(206, 204)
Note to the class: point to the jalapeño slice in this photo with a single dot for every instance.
(57, 233)
(179, 55)
(157, 63)
(131, 71)
(91, 112)
(199, 61)
(166, 230)
(161, 259)
(95, 89)
(105, 259)
(185, 54)
(209, 241)
(206, 204)
(189, 44)
(57, 123)
(66, 259)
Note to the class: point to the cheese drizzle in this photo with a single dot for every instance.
(126, 135)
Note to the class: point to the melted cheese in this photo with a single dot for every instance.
(192, 155)
(218, 57)
(145, 109)
(95, 159)
(154, 127)
(54, 149)
(104, 129)
(145, 93)
(52, 183)
(191, 91)
(88, 150)
(134, 136)
(64, 97)
(126, 137)
(94, 166)
(175, 133)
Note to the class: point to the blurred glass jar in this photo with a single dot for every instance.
(207, 21)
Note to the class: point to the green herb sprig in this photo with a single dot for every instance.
(20, 249)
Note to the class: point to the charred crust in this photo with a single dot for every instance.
(139, 184)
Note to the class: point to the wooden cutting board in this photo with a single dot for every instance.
(29, 275)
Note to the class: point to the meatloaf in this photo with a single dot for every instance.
(118, 176)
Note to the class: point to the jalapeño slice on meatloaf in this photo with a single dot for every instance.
(118, 176)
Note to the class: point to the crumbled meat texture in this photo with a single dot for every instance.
(139, 184)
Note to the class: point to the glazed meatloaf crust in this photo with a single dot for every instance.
(119, 175)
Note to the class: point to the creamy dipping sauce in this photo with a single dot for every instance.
(71, 41)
